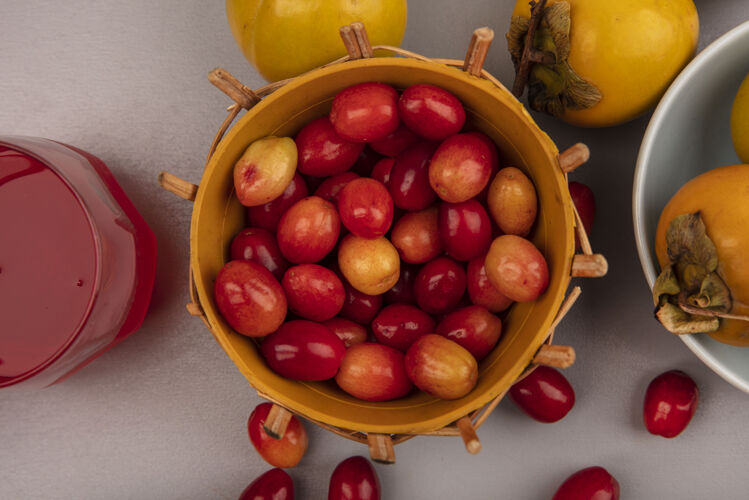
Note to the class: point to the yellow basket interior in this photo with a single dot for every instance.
(218, 216)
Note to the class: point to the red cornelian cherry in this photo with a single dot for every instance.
(409, 178)
(585, 202)
(308, 230)
(365, 112)
(322, 152)
(395, 142)
(403, 290)
(359, 307)
(365, 208)
(284, 452)
(259, 245)
(331, 187)
(670, 402)
(267, 216)
(400, 325)
(249, 298)
(591, 483)
(276, 484)
(313, 292)
(303, 350)
(465, 229)
(481, 291)
(474, 328)
(349, 332)
(354, 479)
(440, 285)
(545, 394)
(430, 111)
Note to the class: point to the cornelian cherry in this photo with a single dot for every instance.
(365, 208)
(480, 290)
(373, 372)
(670, 401)
(331, 187)
(585, 202)
(399, 325)
(249, 298)
(360, 307)
(275, 484)
(303, 350)
(267, 216)
(416, 235)
(322, 152)
(313, 292)
(517, 268)
(382, 169)
(354, 479)
(440, 285)
(365, 112)
(409, 178)
(308, 230)
(465, 229)
(403, 290)
(474, 328)
(395, 142)
(545, 394)
(259, 245)
(430, 111)
(591, 483)
(349, 332)
(284, 452)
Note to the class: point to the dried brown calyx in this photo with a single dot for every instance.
(689, 295)
(542, 66)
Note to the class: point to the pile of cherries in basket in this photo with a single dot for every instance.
(409, 212)
(433, 248)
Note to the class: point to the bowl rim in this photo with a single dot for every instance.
(646, 148)
(450, 415)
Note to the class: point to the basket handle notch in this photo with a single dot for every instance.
(477, 50)
(356, 40)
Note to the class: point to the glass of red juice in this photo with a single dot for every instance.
(77, 261)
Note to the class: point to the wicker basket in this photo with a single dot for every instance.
(529, 327)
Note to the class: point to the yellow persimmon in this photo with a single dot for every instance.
(283, 38)
(740, 121)
(629, 50)
(721, 196)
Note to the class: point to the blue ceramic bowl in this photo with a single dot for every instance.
(689, 134)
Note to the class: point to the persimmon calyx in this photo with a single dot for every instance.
(689, 295)
(555, 86)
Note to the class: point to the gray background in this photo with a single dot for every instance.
(163, 415)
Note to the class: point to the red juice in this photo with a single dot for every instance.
(77, 261)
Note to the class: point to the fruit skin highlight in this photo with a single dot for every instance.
(721, 198)
(283, 39)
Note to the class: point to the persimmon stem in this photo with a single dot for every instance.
(530, 55)
(698, 311)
